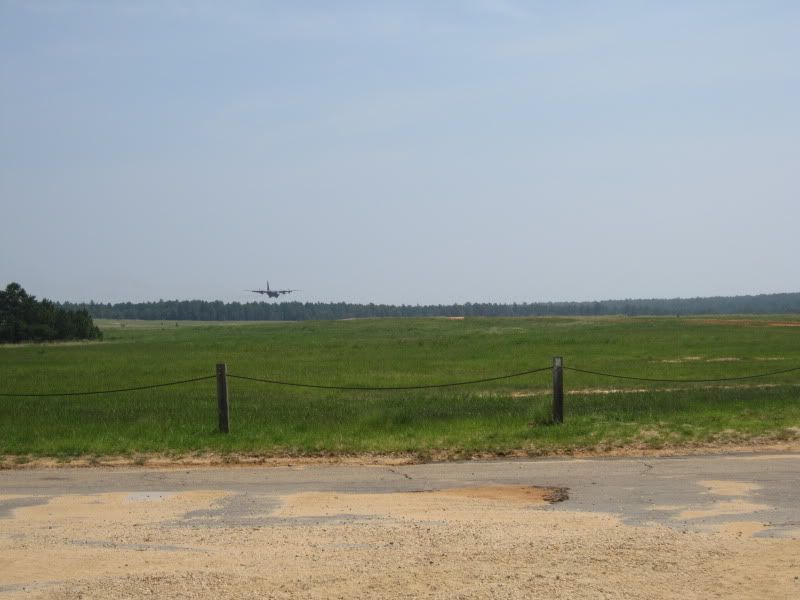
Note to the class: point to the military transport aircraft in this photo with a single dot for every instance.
(272, 293)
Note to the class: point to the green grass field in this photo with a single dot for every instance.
(501, 416)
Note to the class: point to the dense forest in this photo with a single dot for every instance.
(200, 310)
(24, 318)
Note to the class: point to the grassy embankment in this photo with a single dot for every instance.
(502, 416)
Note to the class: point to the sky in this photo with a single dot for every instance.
(399, 152)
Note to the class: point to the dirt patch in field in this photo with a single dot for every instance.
(686, 359)
(606, 391)
(480, 543)
(682, 360)
(52, 344)
(751, 322)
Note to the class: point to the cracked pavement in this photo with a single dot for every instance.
(651, 490)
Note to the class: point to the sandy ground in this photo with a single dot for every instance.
(468, 542)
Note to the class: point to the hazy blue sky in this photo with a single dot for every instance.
(400, 152)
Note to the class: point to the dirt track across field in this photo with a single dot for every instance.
(691, 527)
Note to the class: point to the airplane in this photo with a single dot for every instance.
(272, 293)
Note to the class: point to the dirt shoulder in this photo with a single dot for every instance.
(212, 459)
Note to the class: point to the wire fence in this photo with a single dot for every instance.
(352, 408)
(114, 391)
(363, 388)
(713, 380)
(367, 388)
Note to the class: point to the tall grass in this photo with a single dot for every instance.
(498, 416)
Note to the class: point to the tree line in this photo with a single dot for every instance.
(201, 310)
(24, 318)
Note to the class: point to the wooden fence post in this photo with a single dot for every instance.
(222, 397)
(558, 389)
